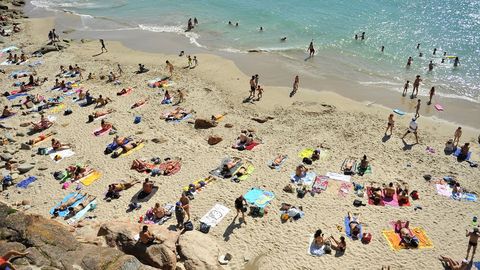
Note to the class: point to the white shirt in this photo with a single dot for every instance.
(413, 126)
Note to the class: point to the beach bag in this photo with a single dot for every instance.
(204, 228)
(67, 112)
(59, 175)
(301, 193)
(414, 195)
(188, 226)
(42, 151)
(284, 217)
(307, 161)
(367, 237)
(358, 203)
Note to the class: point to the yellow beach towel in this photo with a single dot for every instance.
(308, 152)
(249, 168)
(140, 146)
(58, 108)
(89, 179)
(393, 239)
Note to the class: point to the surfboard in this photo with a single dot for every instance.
(438, 107)
(397, 111)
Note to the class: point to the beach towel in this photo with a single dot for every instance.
(101, 132)
(12, 97)
(27, 181)
(306, 179)
(468, 197)
(347, 228)
(65, 212)
(391, 201)
(393, 239)
(279, 166)
(370, 200)
(249, 168)
(344, 189)
(444, 190)
(57, 109)
(215, 215)
(313, 249)
(141, 196)
(367, 171)
(150, 218)
(308, 152)
(62, 154)
(218, 171)
(6, 117)
(199, 184)
(320, 184)
(89, 179)
(113, 146)
(477, 265)
(352, 170)
(259, 197)
(36, 63)
(131, 151)
(252, 145)
(177, 165)
(339, 177)
(457, 153)
(180, 120)
(78, 216)
(9, 63)
(9, 49)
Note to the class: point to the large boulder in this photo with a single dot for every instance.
(199, 251)
(204, 124)
(214, 139)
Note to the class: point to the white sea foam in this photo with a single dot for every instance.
(177, 29)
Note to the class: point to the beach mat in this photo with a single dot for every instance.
(391, 201)
(279, 166)
(344, 165)
(249, 169)
(12, 97)
(346, 224)
(140, 196)
(62, 153)
(307, 153)
(344, 189)
(101, 132)
(259, 197)
(367, 171)
(27, 181)
(89, 179)
(217, 172)
(338, 176)
(370, 200)
(177, 165)
(66, 198)
(320, 184)
(476, 265)
(215, 215)
(78, 216)
(6, 117)
(307, 179)
(149, 217)
(393, 239)
(131, 151)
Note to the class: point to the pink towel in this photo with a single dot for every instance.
(100, 131)
(344, 189)
(391, 201)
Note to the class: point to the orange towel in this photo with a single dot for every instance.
(393, 239)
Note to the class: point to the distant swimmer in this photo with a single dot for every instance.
(443, 60)
(405, 88)
(420, 54)
(283, 39)
(382, 48)
(456, 62)
(261, 28)
(195, 21)
(236, 24)
(311, 49)
(416, 84)
(434, 51)
(229, 22)
(363, 35)
(181, 53)
(409, 61)
(418, 46)
(356, 37)
(430, 66)
(444, 54)
(432, 93)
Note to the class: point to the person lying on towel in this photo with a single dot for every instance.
(127, 147)
(406, 236)
(243, 140)
(72, 211)
(68, 203)
(354, 225)
(115, 188)
(348, 170)
(79, 171)
(57, 145)
(98, 114)
(278, 160)
(140, 165)
(226, 169)
(177, 114)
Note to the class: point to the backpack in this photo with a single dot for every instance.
(358, 203)
(367, 237)
(205, 228)
(188, 226)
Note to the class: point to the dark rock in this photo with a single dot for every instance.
(3, 7)
(7, 246)
(204, 124)
(214, 139)
(25, 146)
(6, 156)
(228, 125)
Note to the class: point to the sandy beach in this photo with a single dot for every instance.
(310, 119)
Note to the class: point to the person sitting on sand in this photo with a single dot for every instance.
(72, 211)
(146, 237)
(167, 99)
(464, 151)
(158, 211)
(5, 259)
(389, 192)
(89, 98)
(112, 77)
(64, 206)
(278, 161)
(291, 212)
(454, 265)
(106, 125)
(115, 188)
(147, 187)
(80, 172)
(376, 195)
(363, 165)
(354, 225)
(449, 147)
(138, 103)
(318, 239)
(7, 112)
(339, 246)
(101, 101)
(140, 165)
(43, 124)
(141, 69)
(300, 171)
(57, 145)
(98, 114)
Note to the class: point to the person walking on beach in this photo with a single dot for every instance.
(120, 70)
(390, 124)
(416, 84)
(256, 80)
(195, 61)
(472, 242)
(189, 61)
(405, 88)
(432, 93)
(181, 97)
(241, 207)
(409, 61)
(457, 135)
(259, 92)
(252, 87)
(103, 45)
(311, 49)
(417, 109)
(295, 86)
(170, 68)
(412, 128)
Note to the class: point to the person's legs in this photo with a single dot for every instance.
(405, 134)
(468, 251)
(13, 253)
(416, 136)
(473, 251)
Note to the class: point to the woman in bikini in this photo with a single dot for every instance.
(354, 225)
(390, 124)
(57, 145)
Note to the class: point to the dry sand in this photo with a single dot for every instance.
(308, 119)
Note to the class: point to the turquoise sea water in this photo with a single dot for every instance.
(451, 25)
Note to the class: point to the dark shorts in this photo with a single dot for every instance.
(472, 244)
(252, 88)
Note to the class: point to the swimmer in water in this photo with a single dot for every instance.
(418, 46)
(434, 51)
(283, 39)
(261, 28)
(311, 49)
(430, 66)
(456, 62)
(363, 35)
(409, 61)
(382, 49)
(420, 54)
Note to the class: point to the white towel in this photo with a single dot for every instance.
(215, 215)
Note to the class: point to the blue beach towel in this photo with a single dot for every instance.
(469, 197)
(477, 265)
(27, 181)
(307, 179)
(279, 166)
(259, 197)
(92, 205)
(180, 120)
(347, 228)
(6, 117)
(65, 212)
(457, 153)
(12, 97)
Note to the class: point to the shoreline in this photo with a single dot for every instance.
(311, 118)
(277, 70)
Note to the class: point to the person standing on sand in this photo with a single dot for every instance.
(181, 97)
(472, 242)
(259, 92)
(295, 85)
(240, 206)
(120, 70)
(311, 49)
(416, 84)
(256, 80)
(103, 45)
(195, 61)
(185, 204)
(252, 87)
(417, 109)
(170, 68)
(390, 124)
(412, 128)
(432, 93)
(179, 214)
(409, 61)
(405, 88)
(457, 135)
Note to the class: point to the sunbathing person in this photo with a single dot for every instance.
(464, 151)
(68, 203)
(402, 194)
(363, 165)
(124, 91)
(315, 155)
(349, 167)
(294, 213)
(454, 265)
(171, 167)
(147, 186)
(127, 147)
(5, 259)
(138, 104)
(376, 195)
(354, 225)
(141, 69)
(115, 188)
(120, 140)
(140, 165)
(178, 114)
(158, 211)
(43, 124)
(6, 112)
(57, 145)
(318, 239)
(339, 246)
(301, 171)
(227, 167)
(101, 101)
(79, 171)
(406, 236)
(40, 138)
(98, 114)
(389, 192)
(449, 147)
(106, 125)
(278, 161)
(72, 211)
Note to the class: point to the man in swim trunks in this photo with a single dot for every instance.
(417, 109)
(472, 242)
(146, 237)
(57, 145)
(129, 146)
(405, 88)
(185, 204)
(390, 124)
(6, 112)
(100, 101)
(147, 186)
(412, 129)
(158, 211)
(252, 88)
(98, 114)
(5, 259)
(68, 203)
(416, 84)
(240, 205)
